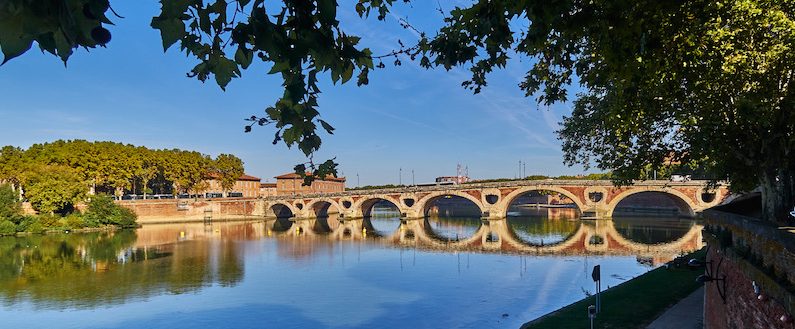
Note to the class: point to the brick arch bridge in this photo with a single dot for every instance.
(593, 198)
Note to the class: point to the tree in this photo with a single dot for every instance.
(229, 168)
(9, 202)
(11, 165)
(184, 169)
(144, 167)
(54, 189)
(706, 83)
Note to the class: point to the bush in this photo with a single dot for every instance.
(103, 211)
(49, 221)
(124, 217)
(35, 227)
(7, 228)
(23, 222)
(74, 221)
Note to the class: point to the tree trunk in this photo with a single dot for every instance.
(778, 196)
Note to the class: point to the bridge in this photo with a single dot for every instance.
(592, 198)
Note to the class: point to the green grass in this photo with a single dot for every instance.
(632, 304)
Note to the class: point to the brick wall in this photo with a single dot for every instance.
(192, 209)
(750, 251)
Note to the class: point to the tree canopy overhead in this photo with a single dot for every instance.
(703, 82)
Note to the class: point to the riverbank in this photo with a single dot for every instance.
(632, 304)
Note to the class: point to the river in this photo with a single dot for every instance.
(376, 273)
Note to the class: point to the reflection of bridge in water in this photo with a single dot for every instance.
(589, 238)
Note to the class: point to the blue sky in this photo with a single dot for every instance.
(407, 117)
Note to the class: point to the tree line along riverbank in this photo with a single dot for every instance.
(54, 177)
(100, 213)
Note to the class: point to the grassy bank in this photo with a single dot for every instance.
(632, 304)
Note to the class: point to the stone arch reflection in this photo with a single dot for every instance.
(540, 231)
(654, 230)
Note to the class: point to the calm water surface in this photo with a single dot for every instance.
(377, 273)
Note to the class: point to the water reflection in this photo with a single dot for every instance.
(383, 272)
(653, 230)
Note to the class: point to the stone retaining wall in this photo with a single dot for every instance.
(176, 210)
(747, 252)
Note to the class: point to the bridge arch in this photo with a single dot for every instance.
(365, 205)
(321, 207)
(508, 199)
(678, 196)
(283, 210)
(422, 204)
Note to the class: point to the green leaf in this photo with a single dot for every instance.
(327, 10)
(279, 67)
(329, 129)
(244, 57)
(12, 40)
(225, 70)
(348, 73)
(171, 30)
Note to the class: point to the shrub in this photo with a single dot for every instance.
(35, 227)
(124, 217)
(74, 221)
(103, 211)
(23, 222)
(7, 227)
(49, 221)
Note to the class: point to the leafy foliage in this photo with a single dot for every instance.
(7, 227)
(704, 83)
(229, 168)
(114, 168)
(9, 202)
(103, 211)
(54, 189)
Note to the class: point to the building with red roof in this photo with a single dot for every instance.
(292, 184)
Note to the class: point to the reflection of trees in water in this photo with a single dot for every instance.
(651, 230)
(86, 270)
(540, 230)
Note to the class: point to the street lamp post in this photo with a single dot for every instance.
(412, 178)
(400, 173)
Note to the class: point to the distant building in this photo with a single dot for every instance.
(453, 179)
(292, 184)
(267, 189)
(246, 186)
